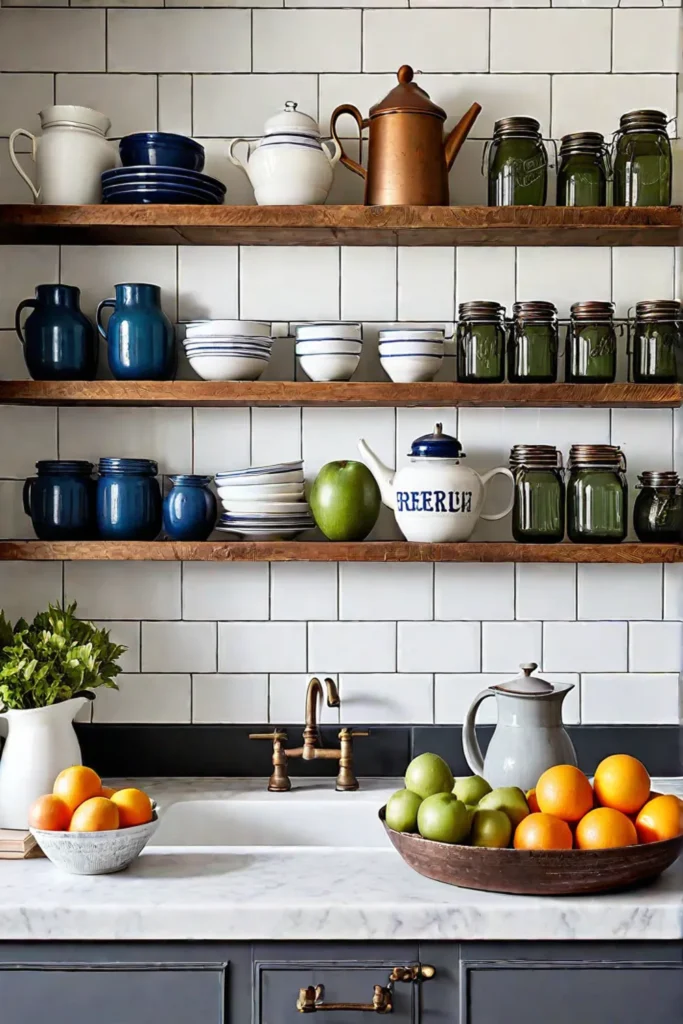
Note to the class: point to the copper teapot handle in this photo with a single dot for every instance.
(348, 108)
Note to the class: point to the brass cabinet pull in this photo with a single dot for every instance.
(311, 999)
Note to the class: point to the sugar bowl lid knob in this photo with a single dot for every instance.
(527, 682)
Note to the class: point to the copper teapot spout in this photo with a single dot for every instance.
(462, 129)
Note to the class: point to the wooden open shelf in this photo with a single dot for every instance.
(353, 393)
(327, 551)
(341, 225)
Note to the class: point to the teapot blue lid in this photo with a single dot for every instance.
(437, 445)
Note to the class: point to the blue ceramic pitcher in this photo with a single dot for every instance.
(59, 341)
(139, 335)
(61, 500)
(189, 508)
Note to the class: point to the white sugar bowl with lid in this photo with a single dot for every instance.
(290, 165)
(435, 498)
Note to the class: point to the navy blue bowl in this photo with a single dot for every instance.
(161, 149)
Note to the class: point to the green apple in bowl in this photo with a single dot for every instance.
(345, 500)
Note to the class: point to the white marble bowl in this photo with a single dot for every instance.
(96, 853)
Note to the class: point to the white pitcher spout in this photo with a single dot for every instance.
(382, 474)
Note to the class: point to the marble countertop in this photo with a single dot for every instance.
(288, 893)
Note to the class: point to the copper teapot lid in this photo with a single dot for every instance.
(407, 97)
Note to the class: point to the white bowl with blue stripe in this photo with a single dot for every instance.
(411, 367)
(235, 365)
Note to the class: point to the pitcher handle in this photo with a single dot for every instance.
(26, 494)
(348, 108)
(26, 304)
(336, 153)
(470, 743)
(485, 479)
(103, 304)
(236, 160)
(13, 157)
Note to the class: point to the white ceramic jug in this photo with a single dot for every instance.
(40, 744)
(69, 156)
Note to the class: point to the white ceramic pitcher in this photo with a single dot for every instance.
(69, 156)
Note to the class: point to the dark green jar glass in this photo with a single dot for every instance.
(583, 171)
(658, 509)
(597, 494)
(532, 343)
(656, 341)
(480, 343)
(591, 349)
(538, 511)
(642, 160)
(517, 163)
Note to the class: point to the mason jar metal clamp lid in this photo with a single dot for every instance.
(511, 128)
(592, 311)
(643, 121)
(536, 456)
(534, 311)
(655, 478)
(480, 311)
(658, 311)
(597, 456)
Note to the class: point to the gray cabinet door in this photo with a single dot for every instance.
(103, 993)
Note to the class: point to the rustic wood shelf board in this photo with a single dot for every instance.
(351, 393)
(341, 225)
(326, 551)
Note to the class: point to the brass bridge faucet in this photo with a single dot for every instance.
(311, 750)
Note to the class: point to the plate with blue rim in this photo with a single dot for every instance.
(162, 176)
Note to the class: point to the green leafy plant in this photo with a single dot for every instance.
(53, 659)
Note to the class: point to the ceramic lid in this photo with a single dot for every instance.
(527, 682)
(408, 97)
(292, 121)
(437, 445)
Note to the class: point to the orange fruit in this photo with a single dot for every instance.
(622, 782)
(660, 818)
(605, 828)
(135, 807)
(50, 813)
(108, 792)
(532, 801)
(565, 792)
(76, 784)
(542, 832)
(95, 815)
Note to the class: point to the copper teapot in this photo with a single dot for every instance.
(408, 157)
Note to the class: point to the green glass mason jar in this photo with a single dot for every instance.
(584, 170)
(591, 349)
(532, 343)
(597, 494)
(538, 511)
(517, 163)
(480, 343)
(642, 160)
(658, 509)
(656, 341)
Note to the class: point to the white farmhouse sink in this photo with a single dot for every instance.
(277, 821)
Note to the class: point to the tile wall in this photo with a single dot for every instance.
(407, 643)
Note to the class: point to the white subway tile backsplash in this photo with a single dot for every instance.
(646, 436)
(303, 590)
(37, 430)
(368, 283)
(14, 523)
(22, 267)
(641, 699)
(331, 434)
(386, 699)
(439, 646)
(225, 590)
(352, 646)
(27, 588)
(436, 40)
(453, 694)
(673, 592)
(391, 590)
(52, 40)
(287, 698)
(97, 268)
(221, 440)
(565, 275)
(305, 40)
(620, 591)
(550, 40)
(261, 646)
(474, 590)
(641, 273)
(162, 434)
(208, 285)
(173, 41)
(275, 435)
(655, 646)
(175, 104)
(21, 97)
(466, 182)
(646, 40)
(179, 646)
(233, 105)
(545, 591)
(596, 102)
(155, 699)
(129, 101)
(283, 283)
(12, 365)
(507, 645)
(487, 274)
(426, 283)
(229, 698)
(128, 635)
(124, 590)
(585, 646)
(498, 95)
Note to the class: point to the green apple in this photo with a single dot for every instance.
(345, 500)
(471, 789)
(509, 799)
(443, 818)
(428, 774)
(402, 808)
(491, 828)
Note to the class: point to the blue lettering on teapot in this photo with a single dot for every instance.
(433, 501)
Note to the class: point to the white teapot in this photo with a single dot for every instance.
(290, 165)
(435, 498)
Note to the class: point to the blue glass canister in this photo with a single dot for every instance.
(190, 508)
(140, 337)
(61, 500)
(128, 500)
(58, 339)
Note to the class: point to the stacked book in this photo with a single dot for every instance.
(17, 844)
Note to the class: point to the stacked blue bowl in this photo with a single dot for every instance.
(159, 167)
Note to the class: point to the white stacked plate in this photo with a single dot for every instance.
(329, 351)
(409, 355)
(228, 349)
(264, 502)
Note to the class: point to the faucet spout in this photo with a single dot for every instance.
(314, 694)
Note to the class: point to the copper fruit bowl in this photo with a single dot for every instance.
(535, 872)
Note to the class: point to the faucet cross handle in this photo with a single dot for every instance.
(279, 781)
